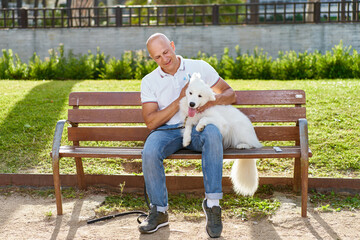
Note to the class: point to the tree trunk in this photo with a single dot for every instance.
(309, 17)
(80, 16)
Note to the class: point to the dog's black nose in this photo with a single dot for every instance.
(192, 104)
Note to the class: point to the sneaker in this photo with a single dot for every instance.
(154, 221)
(213, 220)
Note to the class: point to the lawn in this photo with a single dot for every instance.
(29, 111)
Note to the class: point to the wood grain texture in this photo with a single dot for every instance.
(260, 114)
(139, 133)
(250, 97)
(135, 153)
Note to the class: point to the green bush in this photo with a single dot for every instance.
(143, 65)
(294, 66)
(10, 68)
(341, 62)
(46, 69)
(119, 69)
(336, 64)
(99, 63)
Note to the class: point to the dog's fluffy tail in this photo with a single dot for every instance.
(244, 176)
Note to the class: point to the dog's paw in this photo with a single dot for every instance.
(243, 146)
(186, 142)
(200, 127)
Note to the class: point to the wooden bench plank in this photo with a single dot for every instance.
(139, 133)
(263, 114)
(104, 99)
(135, 153)
(253, 97)
(273, 97)
(105, 116)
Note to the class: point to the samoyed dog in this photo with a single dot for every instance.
(235, 127)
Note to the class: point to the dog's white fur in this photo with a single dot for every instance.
(235, 127)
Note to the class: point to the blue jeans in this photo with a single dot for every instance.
(161, 144)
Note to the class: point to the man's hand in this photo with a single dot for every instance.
(224, 95)
(206, 106)
(183, 91)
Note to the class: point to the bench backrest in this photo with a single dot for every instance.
(116, 116)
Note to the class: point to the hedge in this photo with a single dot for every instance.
(340, 62)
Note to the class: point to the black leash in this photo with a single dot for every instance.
(142, 214)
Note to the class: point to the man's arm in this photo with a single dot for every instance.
(154, 117)
(225, 95)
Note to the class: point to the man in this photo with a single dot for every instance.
(161, 91)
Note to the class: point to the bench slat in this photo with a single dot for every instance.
(270, 97)
(251, 97)
(104, 99)
(270, 114)
(139, 133)
(105, 116)
(135, 153)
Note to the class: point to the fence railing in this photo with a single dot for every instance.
(182, 15)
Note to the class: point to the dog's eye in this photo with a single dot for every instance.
(199, 96)
(190, 93)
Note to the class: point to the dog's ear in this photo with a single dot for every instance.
(195, 75)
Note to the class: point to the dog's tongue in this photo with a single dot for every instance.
(191, 112)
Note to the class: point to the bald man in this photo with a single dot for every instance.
(161, 92)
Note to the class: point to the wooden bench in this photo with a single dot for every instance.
(269, 106)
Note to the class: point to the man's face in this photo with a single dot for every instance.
(163, 53)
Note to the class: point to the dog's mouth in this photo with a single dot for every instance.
(191, 112)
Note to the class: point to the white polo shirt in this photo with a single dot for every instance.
(162, 88)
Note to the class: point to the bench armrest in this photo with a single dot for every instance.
(304, 138)
(57, 139)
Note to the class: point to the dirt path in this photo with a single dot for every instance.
(25, 217)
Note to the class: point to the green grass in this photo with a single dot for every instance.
(260, 205)
(29, 111)
(331, 201)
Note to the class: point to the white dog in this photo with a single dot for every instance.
(235, 127)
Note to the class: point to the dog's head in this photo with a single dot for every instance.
(198, 94)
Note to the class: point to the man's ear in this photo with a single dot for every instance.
(172, 44)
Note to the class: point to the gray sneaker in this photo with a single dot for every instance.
(154, 221)
(213, 220)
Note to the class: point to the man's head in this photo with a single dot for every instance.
(163, 52)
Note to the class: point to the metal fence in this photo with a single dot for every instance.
(182, 15)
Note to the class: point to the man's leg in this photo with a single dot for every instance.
(209, 142)
(158, 146)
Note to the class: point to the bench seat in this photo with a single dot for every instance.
(135, 153)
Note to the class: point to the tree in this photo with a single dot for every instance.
(80, 9)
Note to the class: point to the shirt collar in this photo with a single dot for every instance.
(181, 67)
